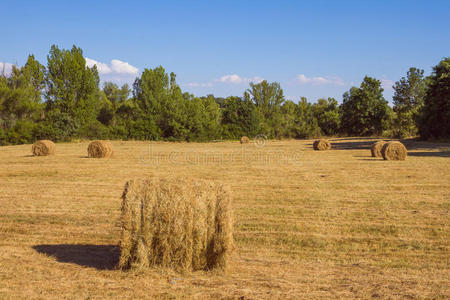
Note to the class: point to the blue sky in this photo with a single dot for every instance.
(313, 48)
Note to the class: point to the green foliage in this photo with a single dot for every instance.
(20, 94)
(57, 126)
(93, 130)
(326, 111)
(72, 87)
(239, 118)
(364, 110)
(268, 98)
(115, 97)
(21, 133)
(158, 109)
(435, 119)
(408, 102)
(305, 124)
(3, 138)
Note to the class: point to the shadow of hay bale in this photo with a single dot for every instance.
(101, 257)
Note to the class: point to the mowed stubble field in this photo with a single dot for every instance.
(308, 224)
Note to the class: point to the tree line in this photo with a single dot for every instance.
(64, 101)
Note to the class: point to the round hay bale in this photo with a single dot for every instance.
(322, 145)
(177, 223)
(244, 140)
(376, 148)
(394, 151)
(43, 148)
(100, 149)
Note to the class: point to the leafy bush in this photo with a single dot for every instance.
(94, 130)
(21, 133)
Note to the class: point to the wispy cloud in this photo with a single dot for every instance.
(5, 68)
(115, 67)
(236, 79)
(303, 79)
(226, 79)
(198, 84)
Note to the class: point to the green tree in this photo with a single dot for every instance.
(72, 87)
(20, 101)
(306, 125)
(326, 111)
(289, 111)
(239, 117)
(364, 111)
(115, 98)
(268, 98)
(435, 119)
(161, 104)
(408, 102)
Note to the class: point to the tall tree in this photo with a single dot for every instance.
(20, 94)
(239, 117)
(408, 102)
(72, 87)
(306, 125)
(115, 98)
(326, 111)
(268, 98)
(364, 110)
(435, 119)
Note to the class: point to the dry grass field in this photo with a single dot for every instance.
(308, 224)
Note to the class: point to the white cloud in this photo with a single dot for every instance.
(116, 67)
(236, 79)
(122, 67)
(198, 84)
(101, 67)
(232, 79)
(5, 68)
(302, 79)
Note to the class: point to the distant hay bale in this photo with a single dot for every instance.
(43, 148)
(376, 148)
(245, 140)
(177, 223)
(394, 151)
(321, 145)
(100, 149)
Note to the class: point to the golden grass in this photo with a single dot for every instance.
(338, 224)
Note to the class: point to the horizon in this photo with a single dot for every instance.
(218, 48)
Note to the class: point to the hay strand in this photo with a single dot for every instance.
(43, 148)
(322, 145)
(376, 148)
(178, 223)
(244, 140)
(100, 149)
(394, 151)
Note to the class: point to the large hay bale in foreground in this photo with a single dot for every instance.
(43, 148)
(321, 145)
(244, 140)
(100, 149)
(394, 151)
(376, 148)
(178, 223)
